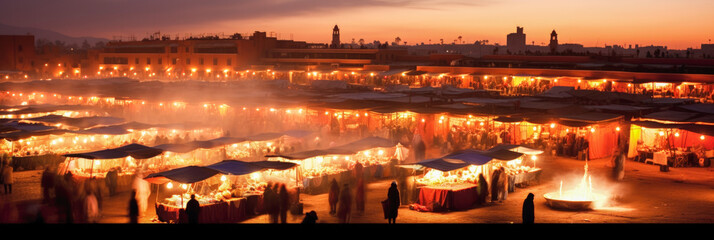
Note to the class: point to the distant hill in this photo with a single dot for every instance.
(48, 35)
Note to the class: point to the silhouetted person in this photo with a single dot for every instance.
(528, 210)
(482, 189)
(358, 171)
(618, 170)
(359, 196)
(333, 196)
(7, 177)
(421, 150)
(141, 187)
(310, 218)
(193, 208)
(284, 200)
(91, 206)
(502, 185)
(133, 208)
(268, 206)
(48, 184)
(111, 180)
(393, 201)
(494, 185)
(344, 207)
(274, 202)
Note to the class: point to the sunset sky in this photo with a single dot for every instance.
(677, 24)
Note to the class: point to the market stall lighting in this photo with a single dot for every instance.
(701, 137)
(661, 133)
(676, 134)
(184, 186)
(223, 178)
(169, 185)
(552, 125)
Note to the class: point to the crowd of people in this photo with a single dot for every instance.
(276, 202)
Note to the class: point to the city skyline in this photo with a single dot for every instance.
(592, 24)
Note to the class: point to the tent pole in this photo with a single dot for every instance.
(157, 194)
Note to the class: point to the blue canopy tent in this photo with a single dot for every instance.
(518, 149)
(346, 149)
(443, 165)
(312, 153)
(367, 143)
(235, 167)
(134, 150)
(192, 174)
(464, 158)
(472, 157)
(189, 174)
(502, 154)
(223, 141)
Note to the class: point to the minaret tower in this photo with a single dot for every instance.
(553, 41)
(335, 37)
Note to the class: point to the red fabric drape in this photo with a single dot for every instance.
(691, 139)
(603, 141)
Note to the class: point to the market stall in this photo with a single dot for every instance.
(229, 191)
(125, 161)
(318, 167)
(671, 144)
(451, 182)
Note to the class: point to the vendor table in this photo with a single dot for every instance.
(230, 211)
(527, 178)
(659, 158)
(455, 197)
(253, 204)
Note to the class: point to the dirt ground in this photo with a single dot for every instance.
(646, 195)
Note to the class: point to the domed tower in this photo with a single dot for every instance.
(335, 37)
(553, 41)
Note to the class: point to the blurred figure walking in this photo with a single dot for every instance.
(7, 177)
(133, 208)
(333, 196)
(48, 184)
(344, 207)
(284, 200)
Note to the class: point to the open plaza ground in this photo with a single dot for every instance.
(646, 195)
